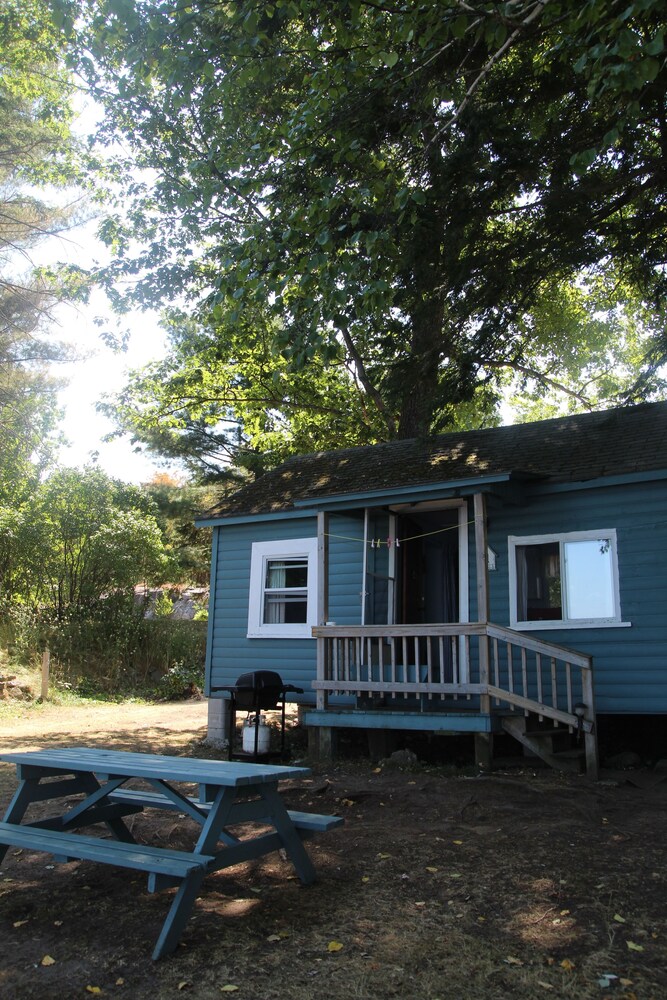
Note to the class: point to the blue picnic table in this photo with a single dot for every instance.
(228, 794)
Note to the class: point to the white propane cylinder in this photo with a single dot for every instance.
(263, 733)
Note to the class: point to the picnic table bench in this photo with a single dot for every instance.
(230, 794)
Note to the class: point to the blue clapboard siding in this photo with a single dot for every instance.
(630, 664)
(346, 561)
(230, 652)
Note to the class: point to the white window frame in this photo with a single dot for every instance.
(614, 621)
(262, 553)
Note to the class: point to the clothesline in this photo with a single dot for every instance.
(377, 543)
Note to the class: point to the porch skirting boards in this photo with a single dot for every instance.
(427, 722)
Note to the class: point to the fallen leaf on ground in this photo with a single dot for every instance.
(511, 960)
(619, 919)
(229, 988)
(545, 986)
(93, 989)
(47, 960)
(334, 946)
(567, 965)
(634, 947)
(19, 923)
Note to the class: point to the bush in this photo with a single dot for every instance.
(109, 646)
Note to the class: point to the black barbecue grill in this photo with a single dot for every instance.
(254, 693)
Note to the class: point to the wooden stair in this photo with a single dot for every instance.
(553, 744)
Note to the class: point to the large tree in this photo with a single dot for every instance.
(397, 188)
(38, 155)
(37, 166)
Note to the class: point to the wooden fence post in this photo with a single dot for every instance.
(46, 665)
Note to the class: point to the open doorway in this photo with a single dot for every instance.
(428, 568)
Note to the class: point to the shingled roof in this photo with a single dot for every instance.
(566, 449)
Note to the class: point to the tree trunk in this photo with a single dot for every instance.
(419, 391)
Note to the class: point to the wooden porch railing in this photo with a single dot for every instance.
(474, 666)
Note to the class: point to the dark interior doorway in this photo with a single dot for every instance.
(428, 568)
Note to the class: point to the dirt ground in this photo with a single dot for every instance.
(441, 884)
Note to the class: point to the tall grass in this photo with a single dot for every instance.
(109, 647)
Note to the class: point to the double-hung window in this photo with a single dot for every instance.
(564, 581)
(283, 594)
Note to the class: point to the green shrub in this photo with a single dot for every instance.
(109, 646)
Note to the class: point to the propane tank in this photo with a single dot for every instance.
(263, 733)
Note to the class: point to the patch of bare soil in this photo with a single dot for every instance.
(520, 884)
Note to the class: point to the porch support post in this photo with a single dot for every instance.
(590, 739)
(484, 741)
(481, 548)
(322, 600)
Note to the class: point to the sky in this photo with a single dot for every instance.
(99, 369)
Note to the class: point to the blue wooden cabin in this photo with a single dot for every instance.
(512, 580)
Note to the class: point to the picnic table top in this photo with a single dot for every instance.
(147, 765)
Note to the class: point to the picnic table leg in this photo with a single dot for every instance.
(179, 914)
(287, 832)
(16, 809)
(96, 792)
(213, 828)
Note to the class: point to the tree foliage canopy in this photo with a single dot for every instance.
(396, 193)
(37, 162)
(78, 538)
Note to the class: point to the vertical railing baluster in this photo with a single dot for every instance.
(538, 664)
(568, 686)
(509, 653)
(524, 674)
(429, 667)
(510, 678)
(554, 684)
(377, 642)
(405, 657)
(456, 666)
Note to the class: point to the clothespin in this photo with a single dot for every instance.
(389, 543)
(398, 543)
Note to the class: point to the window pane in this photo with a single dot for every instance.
(285, 609)
(590, 589)
(286, 573)
(538, 576)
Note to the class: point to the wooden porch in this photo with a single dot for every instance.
(466, 677)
